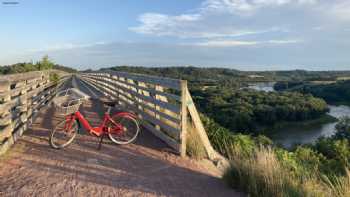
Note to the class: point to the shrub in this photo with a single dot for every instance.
(262, 170)
(54, 77)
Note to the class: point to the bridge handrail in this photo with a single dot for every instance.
(154, 99)
(21, 96)
(165, 104)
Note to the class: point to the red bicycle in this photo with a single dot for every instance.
(122, 127)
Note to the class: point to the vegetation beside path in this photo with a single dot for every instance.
(260, 168)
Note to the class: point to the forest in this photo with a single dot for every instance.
(337, 92)
(250, 111)
(215, 75)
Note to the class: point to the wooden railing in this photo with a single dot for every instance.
(21, 96)
(164, 104)
(157, 101)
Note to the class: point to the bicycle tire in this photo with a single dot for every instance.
(70, 139)
(120, 119)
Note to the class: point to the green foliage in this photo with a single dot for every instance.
(250, 111)
(44, 64)
(338, 92)
(54, 77)
(219, 76)
(261, 169)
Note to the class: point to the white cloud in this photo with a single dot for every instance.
(239, 43)
(208, 21)
(226, 43)
(292, 41)
(340, 10)
(165, 25)
(66, 46)
(247, 7)
(190, 26)
(225, 23)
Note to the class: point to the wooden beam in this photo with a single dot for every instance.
(212, 154)
(183, 136)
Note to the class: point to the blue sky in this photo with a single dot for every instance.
(240, 34)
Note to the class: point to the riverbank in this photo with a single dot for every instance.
(288, 134)
(324, 119)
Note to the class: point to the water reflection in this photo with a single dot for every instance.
(301, 134)
(262, 86)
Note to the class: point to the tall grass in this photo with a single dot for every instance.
(194, 146)
(262, 174)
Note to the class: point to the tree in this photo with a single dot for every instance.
(45, 63)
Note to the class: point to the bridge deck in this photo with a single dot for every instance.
(145, 168)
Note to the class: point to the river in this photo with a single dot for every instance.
(302, 134)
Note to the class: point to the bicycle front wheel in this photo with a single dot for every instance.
(63, 134)
(123, 129)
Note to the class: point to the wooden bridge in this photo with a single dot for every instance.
(155, 165)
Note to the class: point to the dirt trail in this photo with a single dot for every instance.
(146, 168)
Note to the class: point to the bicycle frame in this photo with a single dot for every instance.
(98, 131)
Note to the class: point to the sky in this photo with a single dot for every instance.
(238, 34)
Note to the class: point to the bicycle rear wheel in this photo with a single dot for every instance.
(61, 136)
(123, 129)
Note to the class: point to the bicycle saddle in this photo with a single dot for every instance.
(110, 103)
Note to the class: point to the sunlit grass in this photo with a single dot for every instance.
(262, 174)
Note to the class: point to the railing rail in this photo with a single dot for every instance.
(157, 101)
(164, 104)
(21, 96)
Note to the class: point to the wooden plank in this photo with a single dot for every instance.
(172, 107)
(5, 132)
(152, 91)
(5, 120)
(199, 127)
(4, 86)
(135, 101)
(175, 119)
(183, 135)
(172, 118)
(169, 141)
(172, 131)
(4, 109)
(6, 145)
(16, 122)
(162, 81)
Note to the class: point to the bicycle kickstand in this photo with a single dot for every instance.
(101, 141)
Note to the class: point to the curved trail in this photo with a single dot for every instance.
(145, 168)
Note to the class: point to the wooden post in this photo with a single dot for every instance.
(200, 128)
(6, 139)
(183, 135)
